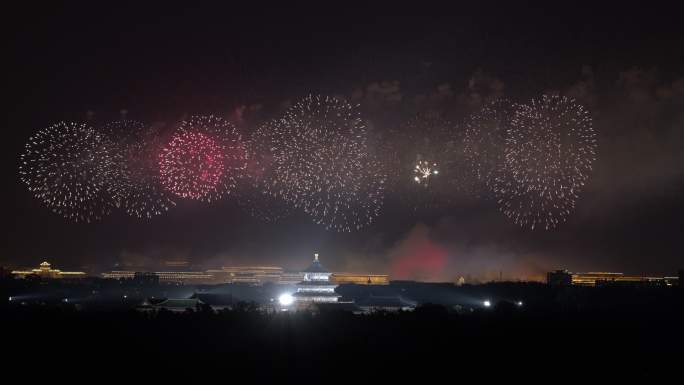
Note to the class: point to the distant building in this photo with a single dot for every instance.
(178, 277)
(359, 279)
(566, 278)
(257, 275)
(389, 304)
(559, 278)
(291, 278)
(46, 271)
(603, 278)
(119, 274)
(146, 279)
(316, 286)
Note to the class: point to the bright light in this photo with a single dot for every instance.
(487, 303)
(10, 298)
(285, 299)
(519, 303)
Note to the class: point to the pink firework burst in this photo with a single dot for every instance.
(203, 159)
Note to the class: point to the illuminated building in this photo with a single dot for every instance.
(316, 286)
(565, 278)
(45, 271)
(146, 279)
(256, 275)
(291, 278)
(359, 279)
(178, 277)
(599, 278)
(119, 274)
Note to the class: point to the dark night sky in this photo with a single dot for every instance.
(626, 63)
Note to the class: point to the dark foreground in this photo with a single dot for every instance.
(640, 336)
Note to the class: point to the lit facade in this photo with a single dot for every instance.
(598, 278)
(256, 275)
(316, 286)
(359, 279)
(179, 277)
(46, 271)
(566, 278)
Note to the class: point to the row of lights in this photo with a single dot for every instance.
(488, 303)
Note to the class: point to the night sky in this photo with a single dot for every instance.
(163, 63)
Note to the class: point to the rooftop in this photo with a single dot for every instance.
(316, 266)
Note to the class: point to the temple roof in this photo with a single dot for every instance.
(316, 267)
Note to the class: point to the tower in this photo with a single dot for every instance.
(316, 286)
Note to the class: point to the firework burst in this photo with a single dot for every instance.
(485, 139)
(316, 158)
(69, 167)
(138, 190)
(421, 158)
(203, 160)
(548, 156)
(424, 171)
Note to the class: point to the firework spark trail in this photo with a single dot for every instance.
(423, 171)
(534, 158)
(69, 167)
(426, 139)
(485, 139)
(549, 151)
(321, 164)
(138, 189)
(203, 160)
(255, 195)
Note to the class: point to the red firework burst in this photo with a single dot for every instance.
(203, 159)
(191, 165)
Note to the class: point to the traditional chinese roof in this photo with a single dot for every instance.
(316, 267)
(182, 303)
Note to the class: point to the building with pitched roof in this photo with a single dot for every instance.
(316, 286)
